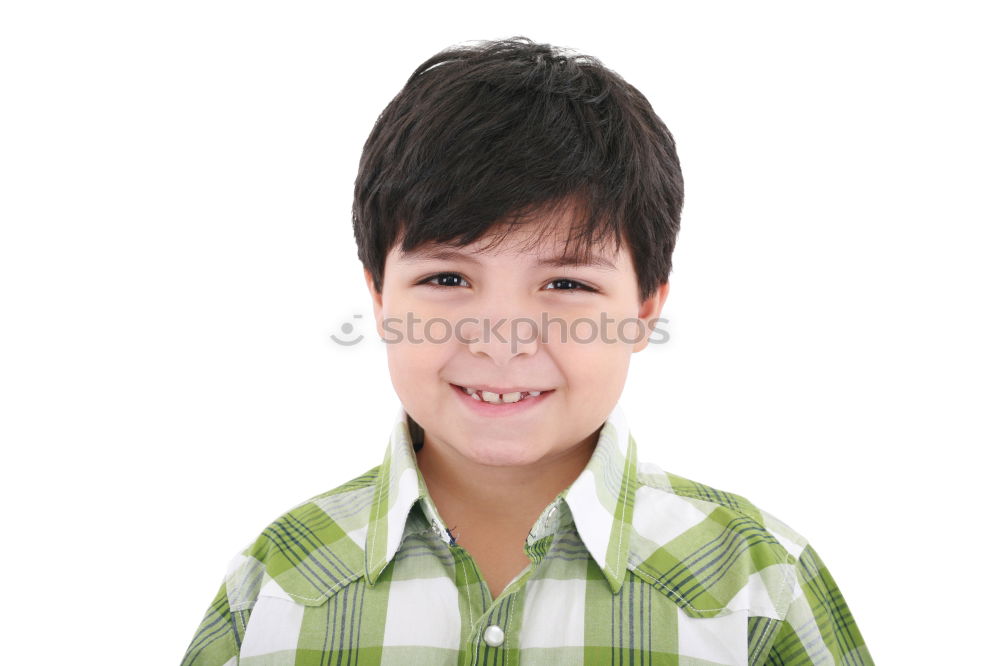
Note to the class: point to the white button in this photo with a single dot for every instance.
(552, 512)
(493, 635)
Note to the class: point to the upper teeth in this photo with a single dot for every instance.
(489, 396)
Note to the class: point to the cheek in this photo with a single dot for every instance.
(411, 357)
(414, 366)
(593, 370)
(594, 384)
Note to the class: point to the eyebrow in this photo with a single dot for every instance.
(416, 256)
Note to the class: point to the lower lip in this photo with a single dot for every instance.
(503, 409)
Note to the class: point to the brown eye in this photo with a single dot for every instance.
(448, 279)
(574, 285)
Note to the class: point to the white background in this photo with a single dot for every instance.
(176, 248)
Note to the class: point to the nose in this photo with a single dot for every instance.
(503, 334)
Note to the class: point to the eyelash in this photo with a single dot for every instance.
(581, 285)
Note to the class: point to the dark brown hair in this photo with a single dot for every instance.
(506, 130)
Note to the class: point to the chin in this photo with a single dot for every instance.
(503, 454)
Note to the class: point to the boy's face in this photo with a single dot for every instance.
(469, 327)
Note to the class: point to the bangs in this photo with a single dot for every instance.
(576, 231)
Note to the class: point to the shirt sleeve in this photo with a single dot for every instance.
(819, 627)
(216, 642)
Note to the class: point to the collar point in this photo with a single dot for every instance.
(372, 573)
(615, 577)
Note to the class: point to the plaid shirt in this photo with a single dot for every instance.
(629, 564)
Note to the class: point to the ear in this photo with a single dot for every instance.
(649, 313)
(376, 302)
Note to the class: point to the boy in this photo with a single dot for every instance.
(511, 521)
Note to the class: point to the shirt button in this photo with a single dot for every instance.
(493, 635)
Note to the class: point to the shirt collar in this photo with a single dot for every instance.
(600, 500)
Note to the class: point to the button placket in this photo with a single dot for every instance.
(499, 630)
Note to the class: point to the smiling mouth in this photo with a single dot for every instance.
(498, 398)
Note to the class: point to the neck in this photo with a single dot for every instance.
(511, 496)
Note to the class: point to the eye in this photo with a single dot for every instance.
(432, 281)
(455, 280)
(579, 285)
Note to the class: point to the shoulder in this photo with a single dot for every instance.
(308, 552)
(706, 497)
(712, 551)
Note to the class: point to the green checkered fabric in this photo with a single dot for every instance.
(629, 565)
